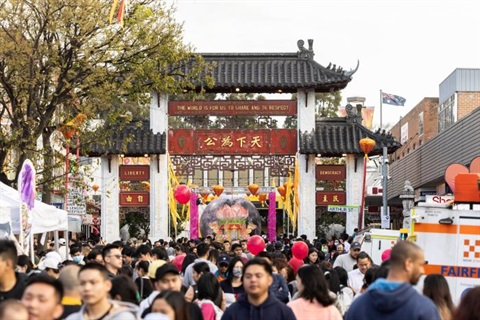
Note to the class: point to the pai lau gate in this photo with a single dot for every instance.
(196, 152)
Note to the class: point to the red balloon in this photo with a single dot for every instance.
(255, 244)
(300, 250)
(295, 264)
(182, 194)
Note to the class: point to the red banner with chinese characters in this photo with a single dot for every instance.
(232, 142)
(134, 199)
(325, 198)
(233, 108)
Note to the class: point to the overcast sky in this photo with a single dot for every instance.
(405, 47)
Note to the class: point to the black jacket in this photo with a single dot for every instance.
(272, 308)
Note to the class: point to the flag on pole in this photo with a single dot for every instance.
(393, 99)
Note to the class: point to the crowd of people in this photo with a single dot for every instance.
(190, 279)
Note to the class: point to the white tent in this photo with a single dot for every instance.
(45, 217)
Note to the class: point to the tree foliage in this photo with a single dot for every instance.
(62, 58)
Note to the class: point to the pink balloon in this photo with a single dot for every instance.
(255, 244)
(300, 250)
(182, 194)
(295, 264)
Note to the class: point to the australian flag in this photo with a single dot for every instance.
(393, 99)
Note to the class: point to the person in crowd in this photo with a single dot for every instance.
(50, 266)
(13, 310)
(279, 286)
(167, 278)
(436, 288)
(232, 286)
(124, 289)
(189, 259)
(112, 259)
(222, 265)
(42, 298)
(469, 308)
(370, 277)
(213, 255)
(238, 252)
(180, 255)
(76, 255)
(127, 259)
(24, 265)
(95, 285)
(227, 247)
(279, 266)
(144, 253)
(291, 281)
(341, 249)
(199, 269)
(11, 282)
(202, 252)
(356, 276)
(95, 256)
(143, 283)
(314, 300)
(394, 297)
(312, 257)
(160, 253)
(346, 294)
(258, 303)
(172, 304)
(209, 297)
(71, 300)
(348, 261)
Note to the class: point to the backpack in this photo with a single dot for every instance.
(216, 309)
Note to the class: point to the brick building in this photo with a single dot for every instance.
(435, 133)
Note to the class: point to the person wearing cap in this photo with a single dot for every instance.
(348, 261)
(222, 263)
(50, 266)
(278, 247)
(166, 278)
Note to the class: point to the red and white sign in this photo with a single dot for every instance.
(438, 199)
(374, 191)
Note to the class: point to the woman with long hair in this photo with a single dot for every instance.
(171, 304)
(346, 294)
(436, 288)
(233, 286)
(208, 292)
(312, 257)
(469, 308)
(314, 300)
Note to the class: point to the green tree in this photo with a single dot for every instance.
(62, 58)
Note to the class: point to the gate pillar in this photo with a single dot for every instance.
(306, 122)
(110, 225)
(354, 184)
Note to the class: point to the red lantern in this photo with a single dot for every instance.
(218, 190)
(295, 264)
(300, 250)
(255, 244)
(182, 194)
(95, 187)
(262, 197)
(253, 188)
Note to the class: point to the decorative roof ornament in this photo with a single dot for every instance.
(303, 52)
(354, 114)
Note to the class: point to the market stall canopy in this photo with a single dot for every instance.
(45, 217)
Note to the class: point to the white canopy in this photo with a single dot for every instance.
(45, 217)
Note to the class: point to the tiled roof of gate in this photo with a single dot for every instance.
(333, 137)
(274, 72)
(131, 141)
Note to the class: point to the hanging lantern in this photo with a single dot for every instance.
(262, 197)
(205, 195)
(68, 130)
(95, 187)
(287, 185)
(218, 190)
(253, 188)
(282, 191)
(367, 145)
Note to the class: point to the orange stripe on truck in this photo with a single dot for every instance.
(445, 228)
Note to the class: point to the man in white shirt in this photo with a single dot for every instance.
(355, 277)
(202, 251)
(347, 261)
